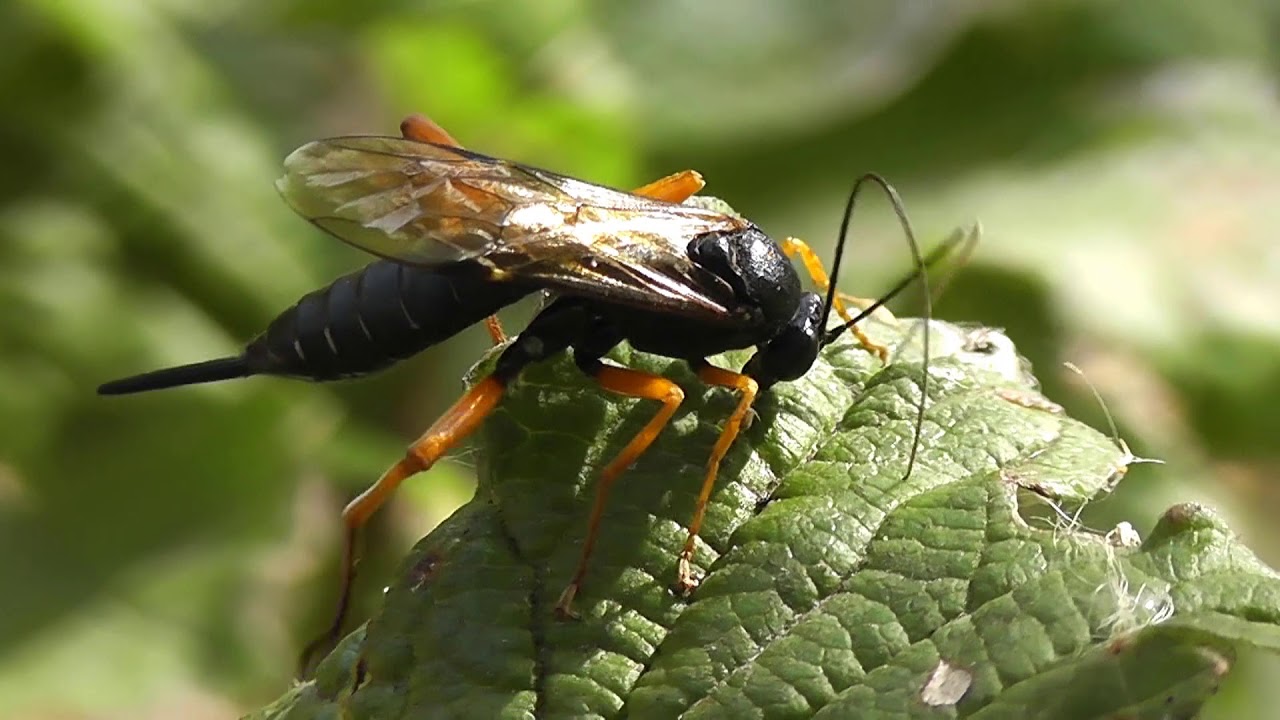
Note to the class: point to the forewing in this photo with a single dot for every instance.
(428, 205)
(403, 200)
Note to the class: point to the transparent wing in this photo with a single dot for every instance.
(429, 205)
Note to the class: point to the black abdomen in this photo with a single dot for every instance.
(367, 320)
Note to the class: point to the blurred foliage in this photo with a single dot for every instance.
(167, 555)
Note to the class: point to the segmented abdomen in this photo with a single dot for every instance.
(367, 320)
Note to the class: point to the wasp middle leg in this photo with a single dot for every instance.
(631, 383)
(550, 333)
(747, 390)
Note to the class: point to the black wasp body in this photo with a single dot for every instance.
(463, 235)
(367, 320)
(747, 270)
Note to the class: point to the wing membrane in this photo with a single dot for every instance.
(429, 205)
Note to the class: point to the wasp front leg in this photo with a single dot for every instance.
(813, 265)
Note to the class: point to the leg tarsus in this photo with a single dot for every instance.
(686, 579)
(326, 640)
(564, 606)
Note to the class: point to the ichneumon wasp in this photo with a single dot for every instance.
(462, 235)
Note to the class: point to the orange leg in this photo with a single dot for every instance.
(424, 129)
(675, 188)
(457, 423)
(494, 326)
(632, 383)
(747, 389)
(813, 265)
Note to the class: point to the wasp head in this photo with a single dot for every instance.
(792, 351)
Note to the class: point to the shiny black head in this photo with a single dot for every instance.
(793, 349)
(757, 270)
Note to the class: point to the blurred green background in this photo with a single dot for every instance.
(166, 555)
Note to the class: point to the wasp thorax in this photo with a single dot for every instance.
(755, 267)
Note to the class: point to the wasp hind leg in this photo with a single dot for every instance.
(813, 265)
(674, 188)
(631, 383)
(549, 333)
(747, 390)
(421, 128)
(458, 422)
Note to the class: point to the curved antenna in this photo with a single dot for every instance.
(921, 271)
(968, 241)
(965, 240)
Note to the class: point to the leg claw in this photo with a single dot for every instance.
(871, 346)
(686, 581)
(564, 606)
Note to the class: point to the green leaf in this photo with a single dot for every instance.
(834, 586)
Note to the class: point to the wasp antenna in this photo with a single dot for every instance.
(1097, 396)
(921, 263)
(967, 239)
(921, 271)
